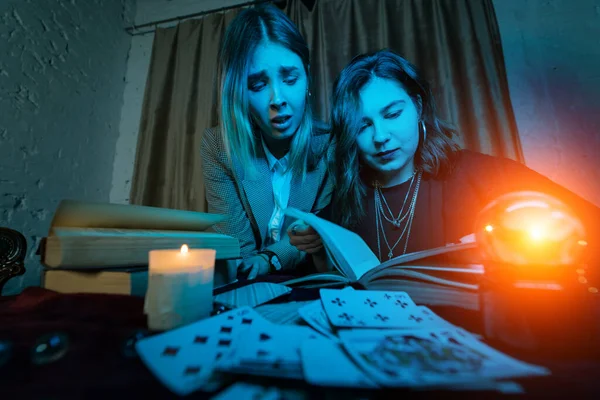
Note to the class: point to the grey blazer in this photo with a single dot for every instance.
(248, 201)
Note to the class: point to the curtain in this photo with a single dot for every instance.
(455, 44)
(179, 104)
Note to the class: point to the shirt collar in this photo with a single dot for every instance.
(271, 160)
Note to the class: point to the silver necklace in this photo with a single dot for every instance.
(395, 221)
(410, 213)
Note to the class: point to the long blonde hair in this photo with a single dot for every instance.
(240, 137)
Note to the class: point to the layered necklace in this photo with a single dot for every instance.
(403, 220)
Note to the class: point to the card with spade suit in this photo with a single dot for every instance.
(270, 350)
(184, 359)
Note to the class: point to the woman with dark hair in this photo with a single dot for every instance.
(267, 152)
(400, 181)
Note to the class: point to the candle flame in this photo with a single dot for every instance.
(184, 249)
(489, 228)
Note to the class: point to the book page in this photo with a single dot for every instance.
(401, 273)
(78, 214)
(455, 254)
(328, 277)
(351, 255)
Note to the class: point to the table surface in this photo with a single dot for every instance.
(98, 325)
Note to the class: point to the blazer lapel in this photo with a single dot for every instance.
(259, 193)
(303, 194)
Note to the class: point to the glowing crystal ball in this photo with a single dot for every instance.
(530, 228)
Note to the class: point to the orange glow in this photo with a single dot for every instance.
(580, 271)
(582, 279)
(536, 233)
(530, 228)
(592, 290)
(184, 249)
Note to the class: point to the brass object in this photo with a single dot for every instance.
(13, 248)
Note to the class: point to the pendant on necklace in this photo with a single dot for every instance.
(396, 224)
(390, 255)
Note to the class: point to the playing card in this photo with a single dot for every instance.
(184, 359)
(243, 390)
(369, 309)
(314, 315)
(438, 357)
(272, 350)
(325, 363)
(428, 319)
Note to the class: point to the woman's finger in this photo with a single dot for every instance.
(296, 226)
(303, 240)
(304, 230)
(314, 250)
(309, 246)
(310, 239)
(311, 243)
(244, 267)
(254, 271)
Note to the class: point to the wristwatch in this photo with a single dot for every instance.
(274, 264)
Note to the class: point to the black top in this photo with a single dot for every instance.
(446, 209)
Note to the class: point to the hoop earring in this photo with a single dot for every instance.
(424, 131)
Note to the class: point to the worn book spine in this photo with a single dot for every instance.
(128, 281)
(83, 248)
(80, 214)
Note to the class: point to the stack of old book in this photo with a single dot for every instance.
(103, 248)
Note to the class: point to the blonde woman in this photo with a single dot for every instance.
(267, 152)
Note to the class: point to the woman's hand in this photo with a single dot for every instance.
(254, 266)
(304, 237)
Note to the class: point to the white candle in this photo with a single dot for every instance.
(180, 285)
(182, 260)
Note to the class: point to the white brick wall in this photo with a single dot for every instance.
(62, 68)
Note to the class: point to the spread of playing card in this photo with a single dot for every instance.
(184, 359)
(354, 339)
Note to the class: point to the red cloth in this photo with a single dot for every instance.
(97, 326)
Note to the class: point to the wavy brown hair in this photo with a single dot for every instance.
(434, 155)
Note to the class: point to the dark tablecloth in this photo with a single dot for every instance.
(98, 325)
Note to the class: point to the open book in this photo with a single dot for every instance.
(86, 235)
(446, 275)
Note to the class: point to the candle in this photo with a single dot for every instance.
(180, 285)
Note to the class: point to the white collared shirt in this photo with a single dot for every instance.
(282, 182)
